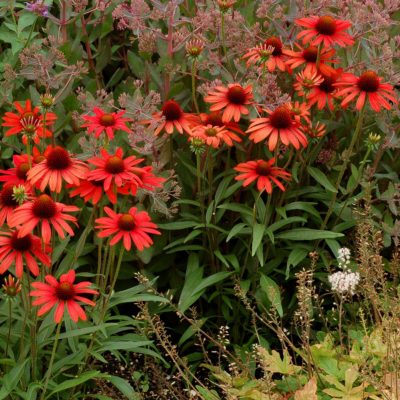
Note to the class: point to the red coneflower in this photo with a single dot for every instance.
(28, 120)
(15, 249)
(280, 125)
(326, 30)
(18, 174)
(93, 191)
(270, 53)
(114, 169)
(234, 99)
(263, 172)
(305, 81)
(309, 56)
(7, 203)
(149, 182)
(368, 85)
(11, 286)
(43, 209)
(215, 135)
(61, 294)
(58, 166)
(133, 226)
(172, 117)
(300, 111)
(315, 131)
(106, 122)
(215, 119)
(325, 92)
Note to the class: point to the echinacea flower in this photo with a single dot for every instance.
(172, 117)
(44, 210)
(106, 122)
(133, 226)
(315, 131)
(305, 81)
(11, 287)
(309, 57)
(214, 118)
(91, 190)
(28, 121)
(326, 30)
(279, 126)
(7, 203)
(18, 174)
(367, 86)
(148, 182)
(62, 294)
(300, 111)
(264, 172)
(58, 166)
(270, 54)
(233, 99)
(215, 135)
(325, 92)
(22, 250)
(113, 169)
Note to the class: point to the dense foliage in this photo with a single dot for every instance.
(199, 199)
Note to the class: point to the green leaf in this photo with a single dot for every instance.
(124, 387)
(322, 179)
(235, 230)
(177, 225)
(258, 234)
(303, 234)
(71, 383)
(273, 293)
(11, 379)
(296, 256)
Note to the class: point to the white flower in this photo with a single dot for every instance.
(344, 281)
(343, 258)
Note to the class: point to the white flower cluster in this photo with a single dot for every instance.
(344, 281)
(344, 258)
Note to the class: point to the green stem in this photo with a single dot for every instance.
(53, 354)
(102, 315)
(9, 326)
(196, 106)
(346, 160)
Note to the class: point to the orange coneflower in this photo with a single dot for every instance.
(8, 203)
(234, 99)
(18, 174)
(214, 118)
(133, 226)
(173, 117)
(16, 250)
(148, 182)
(93, 191)
(309, 57)
(63, 294)
(58, 166)
(325, 92)
(263, 172)
(106, 122)
(270, 53)
(300, 111)
(315, 131)
(113, 169)
(215, 135)
(326, 30)
(368, 85)
(27, 120)
(43, 209)
(280, 125)
(305, 81)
